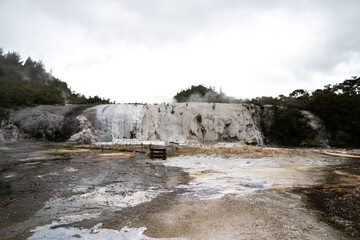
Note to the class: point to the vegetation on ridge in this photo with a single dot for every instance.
(337, 105)
(27, 83)
(201, 93)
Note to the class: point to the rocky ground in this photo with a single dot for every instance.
(52, 191)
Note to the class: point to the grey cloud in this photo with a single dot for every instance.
(39, 23)
(165, 20)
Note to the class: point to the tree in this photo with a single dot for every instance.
(29, 63)
(13, 58)
(28, 84)
(290, 128)
(339, 107)
(348, 87)
(200, 91)
(2, 73)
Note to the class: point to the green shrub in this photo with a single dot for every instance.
(312, 143)
(198, 118)
(28, 84)
(290, 128)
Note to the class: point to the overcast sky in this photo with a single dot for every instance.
(148, 50)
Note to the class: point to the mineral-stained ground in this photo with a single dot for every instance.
(337, 200)
(56, 191)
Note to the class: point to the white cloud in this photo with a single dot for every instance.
(146, 51)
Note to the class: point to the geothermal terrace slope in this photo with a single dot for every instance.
(176, 123)
(180, 122)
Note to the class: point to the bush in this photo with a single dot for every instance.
(312, 143)
(198, 118)
(290, 128)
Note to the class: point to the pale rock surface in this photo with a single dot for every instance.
(86, 122)
(41, 122)
(181, 123)
(318, 125)
(9, 131)
(178, 122)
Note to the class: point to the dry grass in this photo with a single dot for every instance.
(112, 148)
(248, 151)
(118, 154)
(207, 149)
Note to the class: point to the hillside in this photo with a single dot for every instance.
(27, 83)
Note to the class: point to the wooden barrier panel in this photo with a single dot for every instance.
(158, 153)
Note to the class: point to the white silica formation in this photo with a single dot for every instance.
(119, 123)
(156, 124)
(180, 122)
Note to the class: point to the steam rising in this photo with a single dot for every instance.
(214, 97)
(201, 93)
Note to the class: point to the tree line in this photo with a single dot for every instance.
(337, 105)
(27, 83)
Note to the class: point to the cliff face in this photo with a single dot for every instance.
(179, 123)
(263, 117)
(42, 122)
(318, 125)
